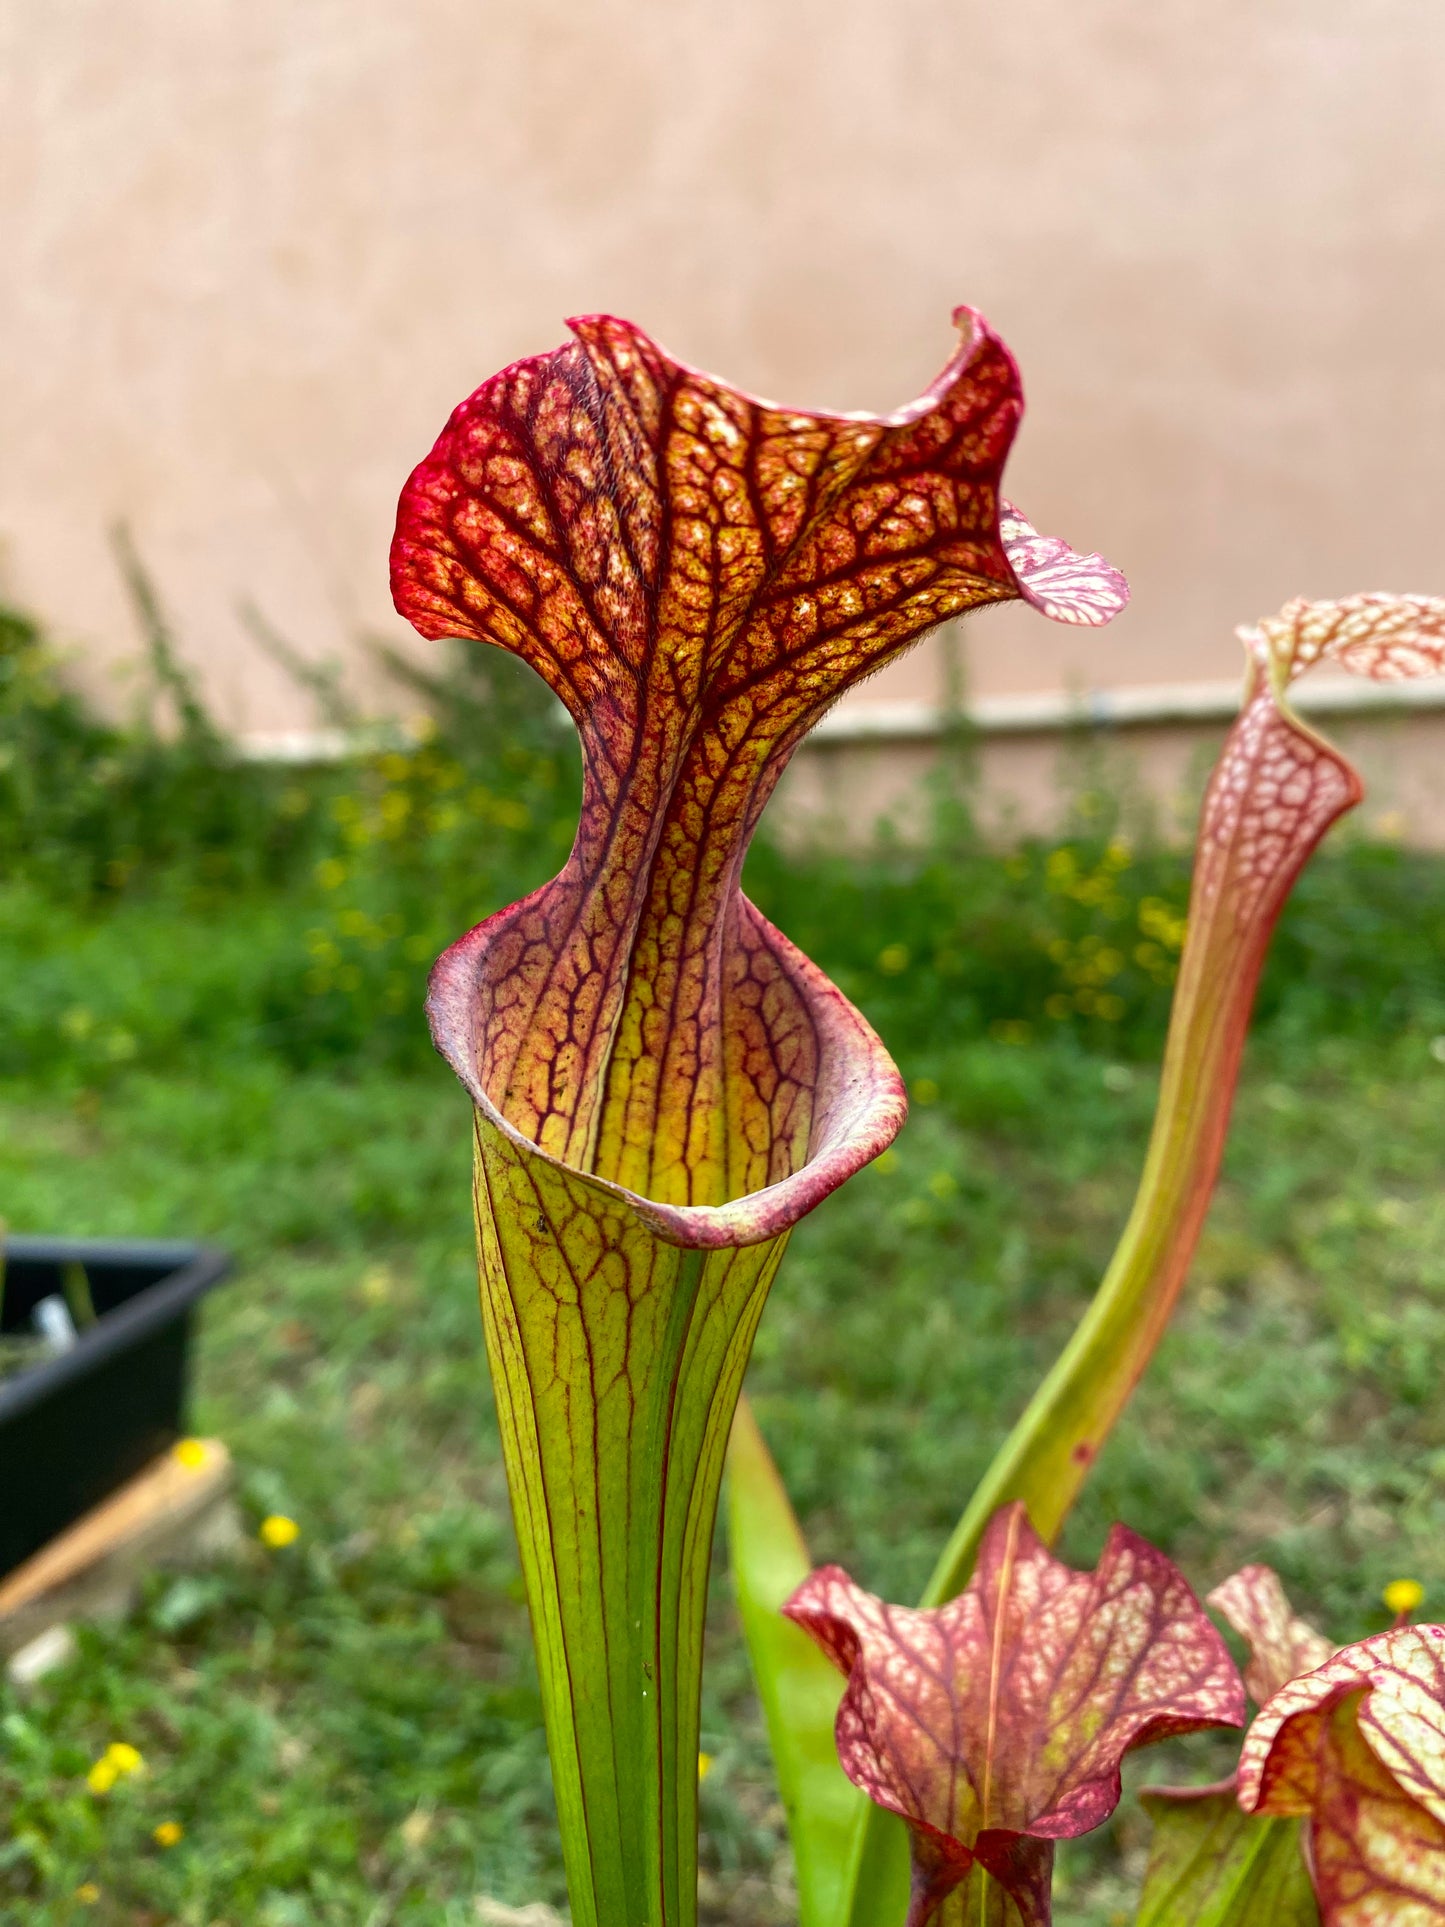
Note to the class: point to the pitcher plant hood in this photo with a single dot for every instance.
(1336, 1816)
(698, 576)
(996, 1724)
(1356, 1748)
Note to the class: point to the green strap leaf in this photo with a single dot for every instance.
(798, 1687)
(1212, 1866)
(614, 1474)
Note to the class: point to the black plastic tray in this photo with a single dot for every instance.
(77, 1426)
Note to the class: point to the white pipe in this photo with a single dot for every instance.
(1045, 713)
(1050, 711)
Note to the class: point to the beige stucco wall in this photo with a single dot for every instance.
(253, 250)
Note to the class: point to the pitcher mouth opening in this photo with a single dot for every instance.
(859, 1103)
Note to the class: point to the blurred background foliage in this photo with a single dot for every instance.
(242, 906)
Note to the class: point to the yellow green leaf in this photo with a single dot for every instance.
(1212, 1866)
(798, 1687)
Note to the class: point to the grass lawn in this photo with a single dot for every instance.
(348, 1729)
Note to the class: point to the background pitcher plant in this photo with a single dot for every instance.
(1274, 793)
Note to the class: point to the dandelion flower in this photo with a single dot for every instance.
(118, 1762)
(1403, 1596)
(167, 1833)
(278, 1531)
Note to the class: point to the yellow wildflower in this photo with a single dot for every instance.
(925, 1091)
(118, 1762)
(894, 959)
(168, 1833)
(278, 1531)
(191, 1453)
(1403, 1596)
(704, 1766)
(87, 1893)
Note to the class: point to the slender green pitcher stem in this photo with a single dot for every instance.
(617, 1360)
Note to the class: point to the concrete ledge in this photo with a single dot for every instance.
(1143, 706)
(1030, 760)
(1042, 713)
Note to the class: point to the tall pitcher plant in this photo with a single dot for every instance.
(663, 1086)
